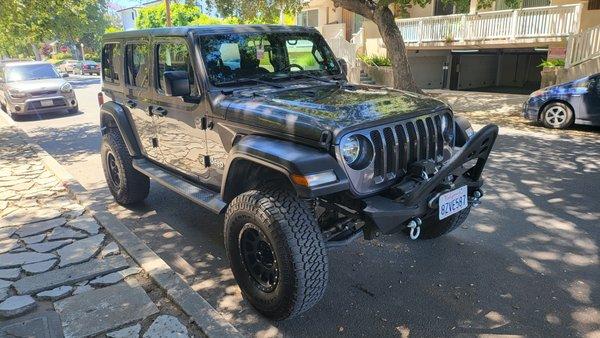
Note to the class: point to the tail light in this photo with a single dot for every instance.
(100, 99)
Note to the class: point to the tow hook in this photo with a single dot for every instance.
(415, 227)
(475, 199)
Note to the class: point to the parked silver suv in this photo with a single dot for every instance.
(29, 88)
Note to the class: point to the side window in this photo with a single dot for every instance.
(300, 53)
(110, 53)
(230, 54)
(136, 60)
(174, 57)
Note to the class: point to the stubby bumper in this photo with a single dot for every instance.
(389, 215)
(531, 110)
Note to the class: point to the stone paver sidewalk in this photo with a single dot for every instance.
(60, 272)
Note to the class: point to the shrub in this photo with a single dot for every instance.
(376, 60)
(552, 63)
(62, 56)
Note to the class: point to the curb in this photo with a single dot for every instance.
(209, 320)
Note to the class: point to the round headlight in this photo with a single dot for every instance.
(351, 149)
(447, 128)
(357, 151)
(66, 88)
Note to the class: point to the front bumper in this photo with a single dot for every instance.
(33, 105)
(389, 215)
(530, 110)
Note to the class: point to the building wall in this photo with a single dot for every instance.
(128, 18)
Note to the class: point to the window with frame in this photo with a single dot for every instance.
(309, 18)
(593, 4)
(110, 53)
(300, 52)
(174, 57)
(136, 60)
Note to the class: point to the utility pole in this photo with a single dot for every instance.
(168, 10)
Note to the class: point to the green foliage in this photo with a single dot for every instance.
(27, 23)
(93, 56)
(189, 15)
(155, 16)
(552, 63)
(113, 29)
(62, 56)
(375, 60)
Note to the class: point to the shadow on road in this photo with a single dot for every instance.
(526, 262)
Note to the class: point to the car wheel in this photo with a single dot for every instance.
(276, 251)
(557, 115)
(432, 227)
(126, 184)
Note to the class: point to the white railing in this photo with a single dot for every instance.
(548, 21)
(583, 46)
(347, 50)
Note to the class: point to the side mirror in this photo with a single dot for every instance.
(65, 74)
(177, 83)
(344, 65)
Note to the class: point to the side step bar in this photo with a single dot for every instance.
(201, 196)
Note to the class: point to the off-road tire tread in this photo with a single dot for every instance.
(136, 185)
(296, 231)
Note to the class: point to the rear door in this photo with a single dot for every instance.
(592, 99)
(138, 96)
(181, 140)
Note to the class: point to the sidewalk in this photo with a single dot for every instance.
(60, 270)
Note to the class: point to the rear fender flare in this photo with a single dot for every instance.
(113, 113)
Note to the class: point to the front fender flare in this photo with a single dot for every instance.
(287, 158)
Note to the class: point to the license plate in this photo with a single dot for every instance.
(46, 103)
(452, 202)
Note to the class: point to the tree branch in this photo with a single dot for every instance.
(362, 7)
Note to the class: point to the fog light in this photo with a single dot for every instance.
(73, 102)
(314, 179)
(17, 108)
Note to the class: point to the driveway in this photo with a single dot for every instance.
(525, 262)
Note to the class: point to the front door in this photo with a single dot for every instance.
(592, 99)
(181, 140)
(138, 96)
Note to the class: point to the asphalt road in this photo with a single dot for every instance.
(525, 263)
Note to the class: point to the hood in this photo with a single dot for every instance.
(308, 111)
(37, 85)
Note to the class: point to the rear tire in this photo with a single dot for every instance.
(432, 227)
(126, 184)
(557, 115)
(276, 251)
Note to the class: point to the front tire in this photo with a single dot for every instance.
(126, 184)
(276, 251)
(557, 115)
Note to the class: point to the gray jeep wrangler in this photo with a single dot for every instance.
(259, 123)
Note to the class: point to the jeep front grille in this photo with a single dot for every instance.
(396, 146)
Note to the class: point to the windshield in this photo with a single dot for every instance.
(230, 58)
(31, 72)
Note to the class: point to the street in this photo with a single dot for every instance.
(525, 263)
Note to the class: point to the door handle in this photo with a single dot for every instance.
(160, 111)
(131, 103)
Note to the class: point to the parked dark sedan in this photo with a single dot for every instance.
(87, 67)
(562, 105)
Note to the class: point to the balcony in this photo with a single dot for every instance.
(527, 25)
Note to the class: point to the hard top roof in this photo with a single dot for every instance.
(208, 30)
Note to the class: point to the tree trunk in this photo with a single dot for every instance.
(392, 38)
(36, 52)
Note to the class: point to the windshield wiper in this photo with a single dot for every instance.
(248, 79)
